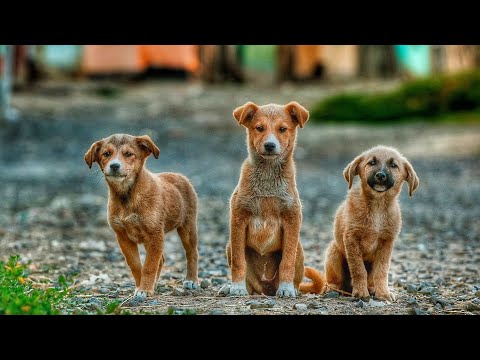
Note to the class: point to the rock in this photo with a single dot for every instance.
(439, 281)
(205, 284)
(476, 301)
(314, 305)
(438, 306)
(438, 300)
(97, 279)
(470, 306)
(430, 310)
(97, 245)
(254, 304)
(419, 311)
(218, 281)
(300, 307)
(411, 301)
(427, 290)
(215, 273)
(332, 294)
(373, 303)
(412, 288)
(217, 312)
(178, 292)
(360, 304)
(477, 294)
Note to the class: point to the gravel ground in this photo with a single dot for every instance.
(53, 208)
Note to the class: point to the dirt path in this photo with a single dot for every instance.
(53, 208)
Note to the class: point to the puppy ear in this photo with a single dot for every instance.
(351, 170)
(147, 145)
(411, 177)
(92, 154)
(298, 113)
(245, 113)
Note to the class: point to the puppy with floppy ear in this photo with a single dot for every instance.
(143, 207)
(264, 251)
(368, 222)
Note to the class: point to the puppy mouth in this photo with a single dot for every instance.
(269, 156)
(116, 176)
(380, 188)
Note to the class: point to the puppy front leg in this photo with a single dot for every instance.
(380, 267)
(356, 266)
(238, 230)
(132, 257)
(291, 237)
(151, 267)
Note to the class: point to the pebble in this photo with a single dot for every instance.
(332, 294)
(430, 310)
(178, 292)
(218, 281)
(360, 304)
(373, 303)
(217, 312)
(255, 304)
(427, 290)
(438, 306)
(205, 284)
(300, 307)
(439, 281)
(412, 301)
(470, 306)
(438, 300)
(419, 311)
(411, 288)
(314, 305)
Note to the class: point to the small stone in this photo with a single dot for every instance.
(411, 301)
(470, 306)
(300, 307)
(373, 303)
(430, 310)
(217, 312)
(419, 311)
(438, 306)
(314, 305)
(477, 294)
(438, 300)
(254, 304)
(411, 288)
(476, 301)
(218, 281)
(427, 290)
(439, 281)
(360, 304)
(332, 294)
(178, 292)
(205, 284)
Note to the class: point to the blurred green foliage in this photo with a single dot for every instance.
(422, 98)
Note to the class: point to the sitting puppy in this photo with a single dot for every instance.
(143, 207)
(367, 223)
(264, 251)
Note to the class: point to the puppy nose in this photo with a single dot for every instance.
(269, 146)
(115, 166)
(380, 176)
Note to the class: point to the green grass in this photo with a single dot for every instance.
(429, 99)
(19, 295)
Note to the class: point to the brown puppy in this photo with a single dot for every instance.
(143, 207)
(367, 223)
(264, 252)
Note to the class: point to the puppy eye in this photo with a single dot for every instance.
(106, 154)
(372, 162)
(283, 129)
(393, 165)
(259, 128)
(128, 154)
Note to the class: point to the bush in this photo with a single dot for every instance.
(19, 295)
(418, 98)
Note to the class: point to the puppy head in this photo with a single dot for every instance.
(121, 156)
(382, 170)
(272, 128)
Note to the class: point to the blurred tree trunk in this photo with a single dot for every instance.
(6, 61)
(377, 61)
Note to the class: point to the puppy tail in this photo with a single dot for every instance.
(317, 286)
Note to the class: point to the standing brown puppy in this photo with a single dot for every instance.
(367, 223)
(264, 252)
(143, 207)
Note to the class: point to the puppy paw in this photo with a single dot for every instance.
(361, 293)
(286, 290)
(189, 285)
(238, 289)
(386, 295)
(142, 294)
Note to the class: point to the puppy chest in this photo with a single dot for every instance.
(264, 234)
(134, 225)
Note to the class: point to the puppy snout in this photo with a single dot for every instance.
(115, 166)
(380, 176)
(270, 146)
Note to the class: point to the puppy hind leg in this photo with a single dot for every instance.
(188, 235)
(334, 271)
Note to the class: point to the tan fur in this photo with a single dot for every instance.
(265, 209)
(143, 207)
(367, 224)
